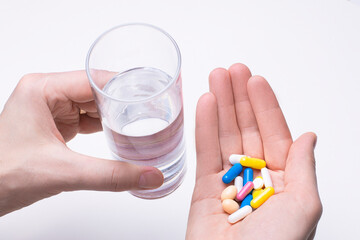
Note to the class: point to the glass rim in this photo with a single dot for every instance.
(104, 94)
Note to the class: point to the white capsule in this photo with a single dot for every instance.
(258, 183)
(266, 177)
(238, 183)
(235, 158)
(240, 214)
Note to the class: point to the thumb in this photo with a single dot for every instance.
(91, 173)
(300, 165)
(300, 175)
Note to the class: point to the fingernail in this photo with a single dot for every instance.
(151, 179)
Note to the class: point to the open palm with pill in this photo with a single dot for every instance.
(241, 115)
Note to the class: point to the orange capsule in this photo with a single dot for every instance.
(229, 193)
(230, 206)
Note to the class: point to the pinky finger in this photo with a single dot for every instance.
(207, 139)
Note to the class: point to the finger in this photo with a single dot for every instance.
(93, 114)
(300, 175)
(207, 139)
(250, 135)
(300, 165)
(89, 124)
(229, 134)
(91, 173)
(88, 106)
(275, 134)
(74, 85)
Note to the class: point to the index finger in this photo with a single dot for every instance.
(75, 85)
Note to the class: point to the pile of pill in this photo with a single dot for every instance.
(252, 193)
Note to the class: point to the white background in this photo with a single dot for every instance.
(308, 50)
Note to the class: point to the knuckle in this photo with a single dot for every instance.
(114, 181)
(120, 180)
(316, 209)
(28, 81)
(30, 78)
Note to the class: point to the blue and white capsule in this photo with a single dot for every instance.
(247, 200)
(248, 175)
(233, 172)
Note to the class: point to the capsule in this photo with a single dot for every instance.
(229, 193)
(230, 206)
(239, 214)
(258, 183)
(246, 201)
(256, 193)
(238, 183)
(248, 175)
(255, 163)
(266, 177)
(259, 200)
(235, 158)
(245, 191)
(233, 172)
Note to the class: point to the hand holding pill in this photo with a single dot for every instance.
(241, 119)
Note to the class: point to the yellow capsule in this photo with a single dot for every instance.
(261, 198)
(252, 162)
(256, 192)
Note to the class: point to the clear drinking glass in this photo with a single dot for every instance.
(134, 72)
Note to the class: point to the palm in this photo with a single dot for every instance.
(243, 117)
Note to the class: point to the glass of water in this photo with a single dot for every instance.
(134, 72)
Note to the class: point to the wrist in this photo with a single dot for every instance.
(5, 198)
